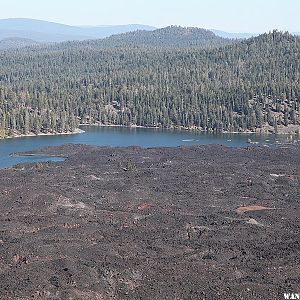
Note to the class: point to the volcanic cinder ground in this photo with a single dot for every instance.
(205, 222)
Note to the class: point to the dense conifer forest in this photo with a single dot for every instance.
(223, 85)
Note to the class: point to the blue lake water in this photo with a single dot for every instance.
(120, 136)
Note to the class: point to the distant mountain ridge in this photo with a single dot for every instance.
(14, 42)
(168, 37)
(45, 32)
(234, 35)
(50, 32)
(239, 35)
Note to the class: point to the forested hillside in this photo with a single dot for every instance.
(247, 85)
(169, 37)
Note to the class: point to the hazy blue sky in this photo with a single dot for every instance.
(230, 15)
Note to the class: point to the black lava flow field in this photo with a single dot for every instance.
(202, 222)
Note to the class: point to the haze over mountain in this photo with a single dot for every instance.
(44, 31)
(10, 43)
(49, 32)
(234, 35)
(168, 37)
(239, 35)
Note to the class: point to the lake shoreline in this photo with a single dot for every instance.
(115, 136)
(31, 134)
(35, 155)
(283, 131)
